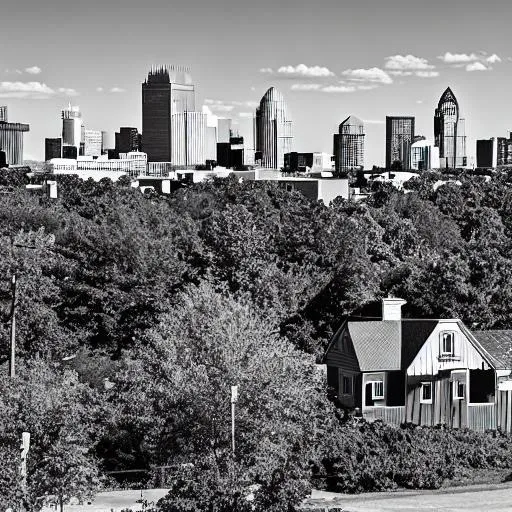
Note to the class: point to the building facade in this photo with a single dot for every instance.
(450, 132)
(274, 136)
(93, 143)
(486, 153)
(167, 91)
(127, 139)
(3, 113)
(11, 141)
(52, 148)
(424, 155)
(399, 139)
(72, 127)
(504, 150)
(348, 147)
(188, 138)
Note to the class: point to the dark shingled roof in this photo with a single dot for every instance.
(377, 344)
(414, 335)
(499, 346)
(388, 345)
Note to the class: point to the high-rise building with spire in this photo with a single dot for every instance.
(274, 134)
(172, 129)
(348, 145)
(450, 132)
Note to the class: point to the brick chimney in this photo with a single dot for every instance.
(392, 308)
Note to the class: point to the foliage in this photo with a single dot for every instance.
(361, 456)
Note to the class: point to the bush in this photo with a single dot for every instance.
(364, 456)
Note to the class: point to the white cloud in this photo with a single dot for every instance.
(99, 89)
(68, 91)
(117, 89)
(305, 87)
(305, 71)
(32, 90)
(338, 88)
(458, 58)
(246, 114)
(427, 74)
(266, 70)
(376, 75)
(373, 121)
(476, 66)
(407, 62)
(368, 87)
(401, 73)
(34, 70)
(419, 102)
(493, 59)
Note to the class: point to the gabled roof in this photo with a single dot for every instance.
(414, 335)
(498, 344)
(377, 344)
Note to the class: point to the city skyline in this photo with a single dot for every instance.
(233, 64)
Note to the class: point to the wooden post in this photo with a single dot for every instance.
(234, 398)
(12, 370)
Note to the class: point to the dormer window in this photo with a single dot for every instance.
(448, 344)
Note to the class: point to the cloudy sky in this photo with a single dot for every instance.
(330, 58)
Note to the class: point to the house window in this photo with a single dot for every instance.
(448, 344)
(377, 390)
(459, 389)
(426, 393)
(347, 385)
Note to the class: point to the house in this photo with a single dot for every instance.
(423, 371)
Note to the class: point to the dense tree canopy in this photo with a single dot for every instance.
(173, 299)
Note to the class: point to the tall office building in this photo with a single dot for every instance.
(167, 91)
(504, 150)
(93, 143)
(72, 127)
(399, 138)
(424, 155)
(449, 132)
(348, 147)
(11, 139)
(52, 148)
(188, 138)
(274, 135)
(127, 139)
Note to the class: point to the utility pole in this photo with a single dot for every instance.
(234, 398)
(12, 370)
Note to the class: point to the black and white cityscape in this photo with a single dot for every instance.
(255, 256)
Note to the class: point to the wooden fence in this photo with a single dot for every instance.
(482, 417)
(393, 415)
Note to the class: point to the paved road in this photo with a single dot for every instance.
(480, 498)
(476, 498)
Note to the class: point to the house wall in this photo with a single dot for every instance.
(341, 361)
(429, 361)
(444, 372)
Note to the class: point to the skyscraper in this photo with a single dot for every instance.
(399, 138)
(504, 150)
(273, 129)
(167, 91)
(348, 147)
(52, 148)
(449, 132)
(93, 143)
(72, 127)
(11, 139)
(188, 138)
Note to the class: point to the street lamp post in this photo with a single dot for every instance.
(12, 359)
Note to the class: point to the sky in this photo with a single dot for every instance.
(329, 58)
